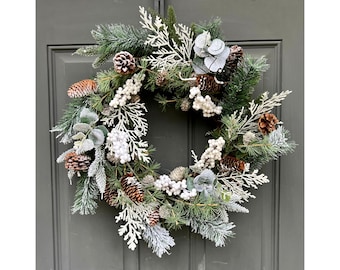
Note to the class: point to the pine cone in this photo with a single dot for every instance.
(161, 78)
(233, 163)
(124, 62)
(234, 58)
(267, 123)
(132, 188)
(185, 105)
(77, 162)
(207, 83)
(110, 195)
(82, 88)
(153, 217)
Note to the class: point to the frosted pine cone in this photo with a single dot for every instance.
(148, 180)
(132, 188)
(82, 88)
(267, 123)
(161, 78)
(76, 162)
(124, 62)
(185, 105)
(177, 174)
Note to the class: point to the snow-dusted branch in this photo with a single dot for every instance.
(168, 53)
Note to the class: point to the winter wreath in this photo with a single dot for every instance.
(192, 68)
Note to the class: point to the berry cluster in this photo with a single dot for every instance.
(171, 187)
(129, 89)
(117, 144)
(205, 104)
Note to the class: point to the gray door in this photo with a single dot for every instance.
(269, 237)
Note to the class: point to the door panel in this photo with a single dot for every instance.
(263, 238)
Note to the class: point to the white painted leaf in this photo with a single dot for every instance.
(217, 46)
(101, 179)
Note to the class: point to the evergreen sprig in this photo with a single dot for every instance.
(212, 26)
(69, 118)
(113, 38)
(239, 91)
(85, 196)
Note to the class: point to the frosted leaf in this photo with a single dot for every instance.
(97, 136)
(85, 146)
(203, 40)
(214, 63)
(217, 46)
(101, 179)
(88, 116)
(135, 217)
(81, 127)
(78, 136)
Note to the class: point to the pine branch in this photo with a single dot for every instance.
(212, 26)
(216, 231)
(113, 38)
(158, 239)
(241, 87)
(85, 196)
(69, 118)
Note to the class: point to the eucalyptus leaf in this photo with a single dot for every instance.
(103, 129)
(87, 116)
(190, 183)
(217, 46)
(97, 136)
(78, 136)
(81, 127)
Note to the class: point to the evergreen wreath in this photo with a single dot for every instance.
(191, 68)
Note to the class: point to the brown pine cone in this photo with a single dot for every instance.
(110, 195)
(153, 217)
(235, 56)
(82, 88)
(206, 83)
(124, 62)
(267, 123)
(233, 163)
(77, 162)
(132, 188)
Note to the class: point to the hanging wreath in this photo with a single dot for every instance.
(192, 68)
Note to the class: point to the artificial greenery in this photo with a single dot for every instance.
(191, 69)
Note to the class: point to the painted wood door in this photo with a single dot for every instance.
(269, 237)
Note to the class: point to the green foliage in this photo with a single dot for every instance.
(69, 118)
(85, 196)
(239, 90)
(108, 82)
(113, 38)
(212, 26)
(169, 21)
(261, 151)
